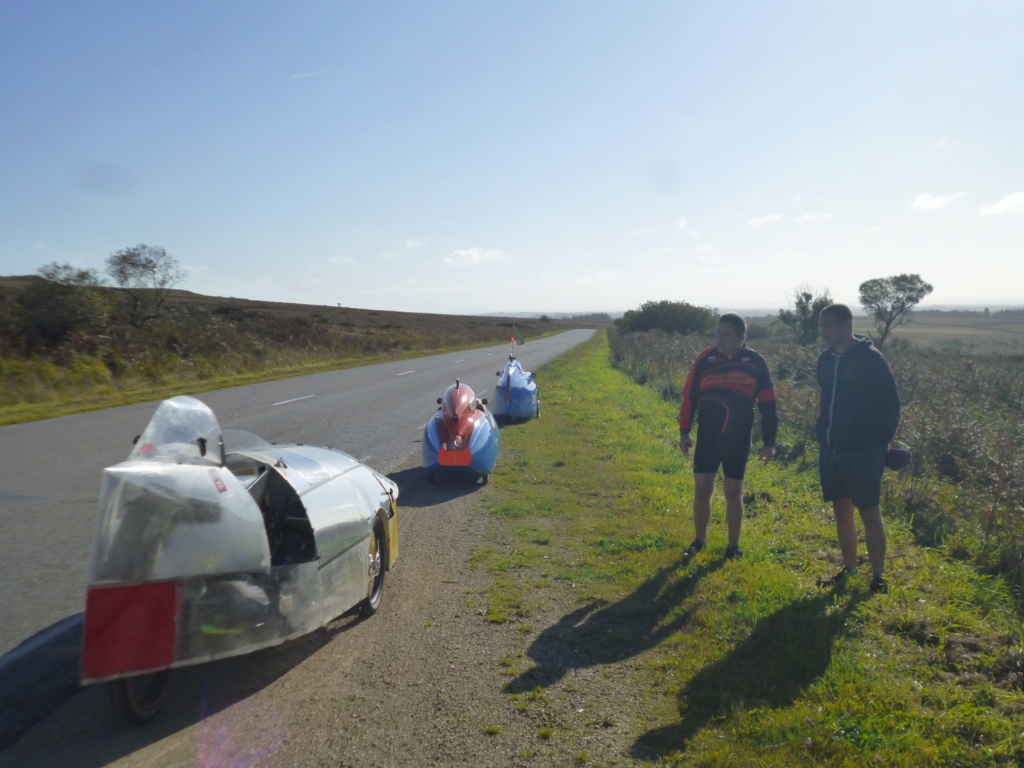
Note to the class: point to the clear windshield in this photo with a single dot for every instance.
(183, 430)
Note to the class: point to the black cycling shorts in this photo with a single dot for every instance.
(854, 475)
(730, 452)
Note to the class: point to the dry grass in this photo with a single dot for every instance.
(208, 342)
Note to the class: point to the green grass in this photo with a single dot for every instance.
(736, 662)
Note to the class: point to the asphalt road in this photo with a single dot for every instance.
(50, 470)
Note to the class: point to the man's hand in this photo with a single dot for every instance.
(685, 444)
(767, 453)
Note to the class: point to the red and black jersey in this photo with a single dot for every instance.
(723, 391)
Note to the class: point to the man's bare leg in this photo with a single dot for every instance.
(874, 538)
(846, 527)
(733, 490)
(703, 488)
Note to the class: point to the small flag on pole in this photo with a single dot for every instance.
(516, 338)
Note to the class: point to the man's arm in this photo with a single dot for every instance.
(887, 395)
(688, 406)
(766, 406)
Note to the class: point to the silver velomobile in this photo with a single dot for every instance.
(211, 544)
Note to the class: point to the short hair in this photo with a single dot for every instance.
(841, 312)
(738, 323)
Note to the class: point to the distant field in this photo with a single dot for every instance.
(951, 330)
(978, 333)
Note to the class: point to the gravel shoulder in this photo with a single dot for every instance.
(419, 684)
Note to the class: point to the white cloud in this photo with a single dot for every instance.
(705, 248)
(1012, 205)
(346, 260)
(416, 243)
(681, 223)
(928, 202)
(472, 256)
(772, 218)
(307, 74)
(387, 255)
(814, 217)
(196, 269)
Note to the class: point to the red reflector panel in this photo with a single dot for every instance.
(448, 458)
(129, 629)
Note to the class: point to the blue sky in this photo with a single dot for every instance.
(466, 157)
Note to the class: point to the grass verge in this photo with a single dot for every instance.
(726, 663)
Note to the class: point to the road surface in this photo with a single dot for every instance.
(50, 473)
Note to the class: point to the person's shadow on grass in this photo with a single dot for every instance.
(785, 654)
(605, 633)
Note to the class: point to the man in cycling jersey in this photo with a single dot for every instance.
(724, 384)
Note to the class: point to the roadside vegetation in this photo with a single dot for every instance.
(727, 663)
(70, 343)
(963, 417)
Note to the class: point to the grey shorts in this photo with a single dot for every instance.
(855, 475)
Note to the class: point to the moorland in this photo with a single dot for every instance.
(55, 361)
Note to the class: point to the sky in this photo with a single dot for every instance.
(524, 156)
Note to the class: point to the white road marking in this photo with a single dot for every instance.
(459, 361)
(304, 397)
(403, 374)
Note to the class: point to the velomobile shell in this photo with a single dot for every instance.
(516, 395)
(462, 437)
(204, 552)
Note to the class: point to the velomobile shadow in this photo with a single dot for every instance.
(785, 654)
(415, 490)
(504, 422)
(605, 633)
(84, 731)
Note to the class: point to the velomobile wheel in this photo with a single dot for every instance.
(138, 699)
(483, 479)
(375, 572)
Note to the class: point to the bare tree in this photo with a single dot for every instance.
(890, 300)
(802, 319)
(146, 275)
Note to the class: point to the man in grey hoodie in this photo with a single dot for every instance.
(860, 410)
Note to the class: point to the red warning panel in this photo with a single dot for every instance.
(129, 629)
(448, 458)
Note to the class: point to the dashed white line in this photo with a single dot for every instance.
(459, 361)
(304, 397)
(406, 372)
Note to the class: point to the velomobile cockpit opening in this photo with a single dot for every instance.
(289, 532)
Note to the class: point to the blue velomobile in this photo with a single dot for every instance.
(462, 437)
(516, 395)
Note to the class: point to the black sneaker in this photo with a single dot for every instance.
(879, 586)
(694, 548)
(838, 581)
(732, 553)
